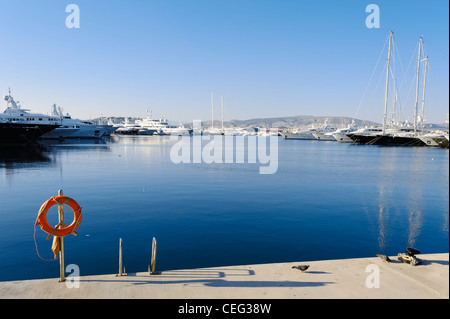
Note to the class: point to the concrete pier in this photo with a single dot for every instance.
(327, 279)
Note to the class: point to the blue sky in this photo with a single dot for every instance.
(267, 58)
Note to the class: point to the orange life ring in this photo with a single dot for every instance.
(59, 231)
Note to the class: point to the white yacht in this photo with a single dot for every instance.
(234, 132)
(74, 128)
(214, 131)
(364, 131)
(321, 133)
(267, 132)
(306, 134)
(150, 126)
(435, 139)
(340, 135)
(300, 135)
(20, 127)
(127, 128)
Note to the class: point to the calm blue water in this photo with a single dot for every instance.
(326, 201)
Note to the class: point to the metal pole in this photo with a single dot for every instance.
(417, 86)
(212, 111)
(423, 97)
(387, 82)
(153, 266)
(120, 257)
(222, 114)
(61, 240)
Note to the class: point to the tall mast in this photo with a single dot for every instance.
(212, 110)
(423, 95)
(222, 112)
(387, 82)
(417, 86)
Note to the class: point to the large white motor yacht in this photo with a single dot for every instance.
(19, 127)
(150, 126)
(74, 128)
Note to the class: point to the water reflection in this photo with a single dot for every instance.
(11, 158)
(401, 202)
(45, 154)
(391, 192)
(387, 169)
(143, 140)
(77, 143)
(415, 204)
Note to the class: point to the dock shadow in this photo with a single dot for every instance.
(212, 278)
(318, 272)
(429, 262)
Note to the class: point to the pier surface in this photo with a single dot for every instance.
(335, 279)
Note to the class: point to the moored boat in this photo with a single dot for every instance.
(75, 128)
(19, 127)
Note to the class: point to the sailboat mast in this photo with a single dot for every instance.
(417, 86)
(222, 112)
(423, 95)
(212, 110)
(387, 82)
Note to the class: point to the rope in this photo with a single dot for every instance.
(60, 223)
(35, 243)
(370, 80)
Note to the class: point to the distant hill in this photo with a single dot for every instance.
(300, 121)
(289, 122)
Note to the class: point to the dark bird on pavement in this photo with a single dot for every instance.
(412, 252)
(384, 258)
(303, 268)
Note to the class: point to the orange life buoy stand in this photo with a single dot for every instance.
(59, 231)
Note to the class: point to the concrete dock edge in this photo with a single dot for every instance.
(360, 278)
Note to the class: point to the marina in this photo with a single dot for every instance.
(224, 150)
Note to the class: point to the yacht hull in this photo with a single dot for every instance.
(342, 138)
(442, 142)
(22, 134)
(301, 136)
(323, 137)
(386, 140)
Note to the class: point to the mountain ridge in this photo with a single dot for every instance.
(294, 121)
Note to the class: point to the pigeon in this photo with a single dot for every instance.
(384, 258)
(303, 268)
(412, 252)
